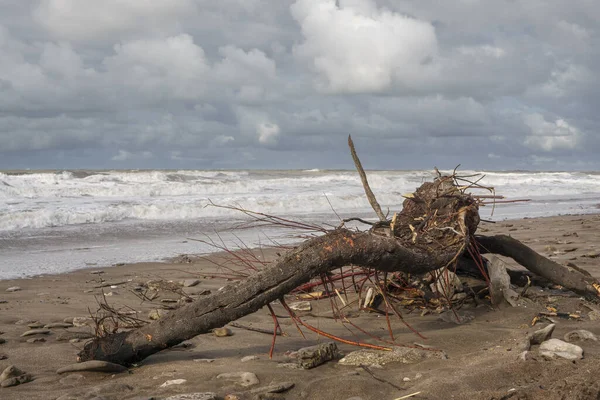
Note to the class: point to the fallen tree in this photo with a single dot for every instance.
(436, 226)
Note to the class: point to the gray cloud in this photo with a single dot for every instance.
(280, 84)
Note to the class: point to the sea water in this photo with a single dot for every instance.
(58, 221)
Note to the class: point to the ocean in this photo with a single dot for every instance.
(59, 221)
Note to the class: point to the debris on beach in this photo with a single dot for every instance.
(313, 356)
(416, 259)
(222, 332)
(13, 376)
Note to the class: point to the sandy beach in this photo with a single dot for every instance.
(482, 355)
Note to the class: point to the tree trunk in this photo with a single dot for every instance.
(336, 249)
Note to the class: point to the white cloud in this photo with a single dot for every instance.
(81, 20)
(174, 67)
(356, 47)
(268, 133)
(549, 136)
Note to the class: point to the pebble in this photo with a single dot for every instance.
(174, 382)
(36, 332)
(249, 358)
(36, 340)
(10, 372)
(301, 306)
(204, 360)
(13, 289)
(13, 376)
(541, 335)
(194, 396)
(157, 314)
(403, 355)
(222, 332)
(190, 282)
(95, 365)
(35, 325)
(274, 388)
(580, 335)
(243, 378)
(55, 325)
(313, 356)
(556, 348)
(82, 321)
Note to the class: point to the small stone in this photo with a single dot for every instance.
(580, 335)
(541, 335)
(82, 321)
(75, 340)
(194, 396)
(56, 325)
(406, 379)
(36, 332)
(242, 378)
(301, 306)
(174, 382)
(190, 282)
(275, 388)
(594, 315)
(35, 325)
(36, 340)
(525, 356)
(556, 348)
(249, 358)
(418, 375)
(222, 332)
(3, 356)
(204, 360)
(313, 356)
(10, 372)
(13, 289)
(157, 314)
(18, 380)
(231, 397)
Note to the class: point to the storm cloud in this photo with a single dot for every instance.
(490, 84)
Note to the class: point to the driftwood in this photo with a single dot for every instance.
(436, 226)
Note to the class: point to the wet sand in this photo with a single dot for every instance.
(482, 354)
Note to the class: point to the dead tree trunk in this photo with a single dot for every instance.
(316, 256)
(432, 231)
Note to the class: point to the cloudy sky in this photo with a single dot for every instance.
(491, 84)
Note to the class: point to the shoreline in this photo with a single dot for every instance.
(483, 353)
(484, 227)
